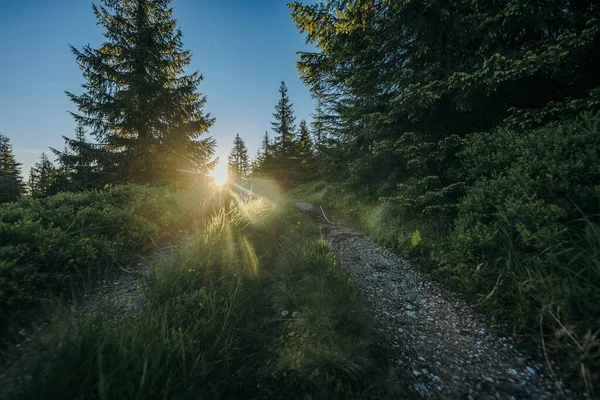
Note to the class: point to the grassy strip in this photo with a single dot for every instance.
(326, 346)
(253, 306)
(193, 335)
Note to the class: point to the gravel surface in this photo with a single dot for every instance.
(444, 348)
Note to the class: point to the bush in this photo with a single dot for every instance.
(526, 235)
(52, 246)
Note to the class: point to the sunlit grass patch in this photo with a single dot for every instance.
(248, 307)
(194, 334)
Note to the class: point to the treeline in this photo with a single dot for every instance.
(289, 158)
(475, 128)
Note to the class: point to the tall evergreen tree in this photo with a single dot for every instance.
(284, 126)
(262, 155)
(42, 178)
(280, 164)
(238, 166)
(305, 143)
(11, 182)
(305, 153)
(137, 98)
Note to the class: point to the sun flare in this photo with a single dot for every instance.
(219, 174)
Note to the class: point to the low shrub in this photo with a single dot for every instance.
(526, 237)
(56, 245)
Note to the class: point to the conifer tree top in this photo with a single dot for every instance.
(137, 97)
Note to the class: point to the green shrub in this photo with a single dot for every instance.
(526, 235)
(52, 246)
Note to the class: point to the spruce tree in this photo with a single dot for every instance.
(42, 178)
(284, 126)
(305, 144)
(262, 155)
(280, 165)
(238, 166)
(266, 144)
(318, 126)
(137, 98)
(306, 152)
(11, 183)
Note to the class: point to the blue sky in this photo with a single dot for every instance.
(242, 47)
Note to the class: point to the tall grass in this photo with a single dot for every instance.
(325, 345)
(563, 289)
(250, 306)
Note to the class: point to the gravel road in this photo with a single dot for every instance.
(444, 348)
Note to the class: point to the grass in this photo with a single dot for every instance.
(251, 306)
(379, 219)
(325, 346)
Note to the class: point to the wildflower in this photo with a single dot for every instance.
(285, 313)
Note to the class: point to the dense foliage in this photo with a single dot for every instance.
(475, 126)
(61, 243)
(399, 81)
(527, 229)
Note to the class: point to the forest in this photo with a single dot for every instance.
(462, 136)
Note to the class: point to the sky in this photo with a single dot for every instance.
(243, 48)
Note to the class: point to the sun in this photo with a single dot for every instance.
(219, 174)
